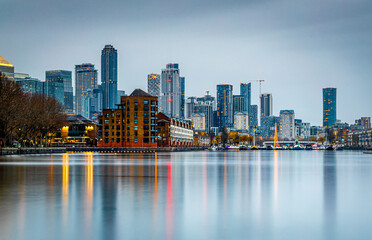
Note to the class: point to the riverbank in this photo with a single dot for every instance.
(20, 151)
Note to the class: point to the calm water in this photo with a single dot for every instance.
(196, 195)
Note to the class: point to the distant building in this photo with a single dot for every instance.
(238, 103)
(6, 68)
(245, 91)
(302, 129)
(205, 105)
(28, 84)
(174, 132)
(266, 100)
(190, 103)
(153, 84)
(287, 124)
(182, 105)
(121, 93)
(172, 91)
(360, 139)
(109, 76)
(85, 79)
(253, 116)
(241, 121)
(198, 120)
(96, 103)
(268, 124)
(225, 109)
(132, 124)
(329, 106)
(365, 122)
(53, 79)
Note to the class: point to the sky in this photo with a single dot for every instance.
(298, 47)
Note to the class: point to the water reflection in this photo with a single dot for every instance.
(201, 195)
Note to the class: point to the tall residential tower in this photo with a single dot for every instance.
(329, 106)
(109, 76)
(85, 79)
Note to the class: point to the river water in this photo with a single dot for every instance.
(187, 195)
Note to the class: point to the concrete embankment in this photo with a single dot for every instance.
(16, 151)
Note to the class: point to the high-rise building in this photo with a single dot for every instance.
(365, 122)
(241, 121)
(245, 91)
(109, 76)
(198, 120)
(266, 100)
(183, 89)
(225, 109)
(238, 103)
(153, 84)
(28, 84)
(190, 103)
(172, 91)
(287, 124)
(206, 105)
(85, 79)
(53, 79)
(96, 103)
(253, 116)
(6, 68)
(268, 124)
(329, 107)
(55, 89)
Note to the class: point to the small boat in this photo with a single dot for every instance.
(297, 147)
(309, 147)
(254, 148)
(278, 148)
(243, 147)
(213, 148)
(269, 147)
(329, 148)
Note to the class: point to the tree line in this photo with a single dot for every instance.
(27, 119)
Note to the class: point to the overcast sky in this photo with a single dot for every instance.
(297, 46)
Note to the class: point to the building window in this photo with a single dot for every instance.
(146, 121)
(145, 140)
(135, 127)
(118, 140)
(145, 102)
(136, 120)
(128, 140)
(146, 114)
(107, 121)
(118, 115)
(106, 140)
(153, 103)
(128, 134)
(136, 140)
(145, 108)
(107, 115)
(146, 127)
(136, 133)
(135, 108)
(135, 102)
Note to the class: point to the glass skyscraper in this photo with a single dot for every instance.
(225, 109)
(182, 108)
(266, 100)
(53, 79)
(109, 76)
(329, 106)
(85, 79)
(245, 91)
(153, 84)
(239, 103)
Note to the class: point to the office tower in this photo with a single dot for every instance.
(66, 78)
(96, 103)
(153, 84)
(198, 120)
(245, 91)
(206, 105)
(268, 124)
(238, 103)
(121, 93)
(329, 107)
(241, 121)
(253, 116)
(190, 103)
(55, 89)
(182, 108)
(287, 125)
(28, 84)
(266, 100)
(109, 76)
(172, 89)
(225, 109)
(6, 68)
(85, 79)
(86, 97)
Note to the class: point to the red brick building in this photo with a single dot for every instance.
(173, 132)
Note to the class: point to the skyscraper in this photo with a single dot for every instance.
(245, 91)
(190, 103)
(287, 124)
(153, 84)
(85, 79)
(253, 116)
(329, 107)
(28, 84)
(238, 103)
(172, 91)
(225, 112)
(266, 100)
(109, 76)
(268, 124)
(53, 79)
(183, 89)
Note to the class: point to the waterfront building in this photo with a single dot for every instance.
(198, 120)
(225, 109)
(201, 139)
(245, 91)
(268, 124)
(190, 103)
(287, 124)
(329, 106)
(302, 129)
(266, 100)
(360, 138)
(238, 103)
(253, 116)
(365, 122)
(241, 121)
(132, 124)
(28, 84)
(53, 79)
(153, 84)
(6, 68)
(78, 131)
(85, 79)
(206, 105)
(109, 76)
(314, 132)
(174, 132)
(172, 102)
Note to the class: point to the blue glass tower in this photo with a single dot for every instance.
(225, 112)
(109, 76)
(182, 102)
(64, 94)
(245, 91)
(329, 106)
